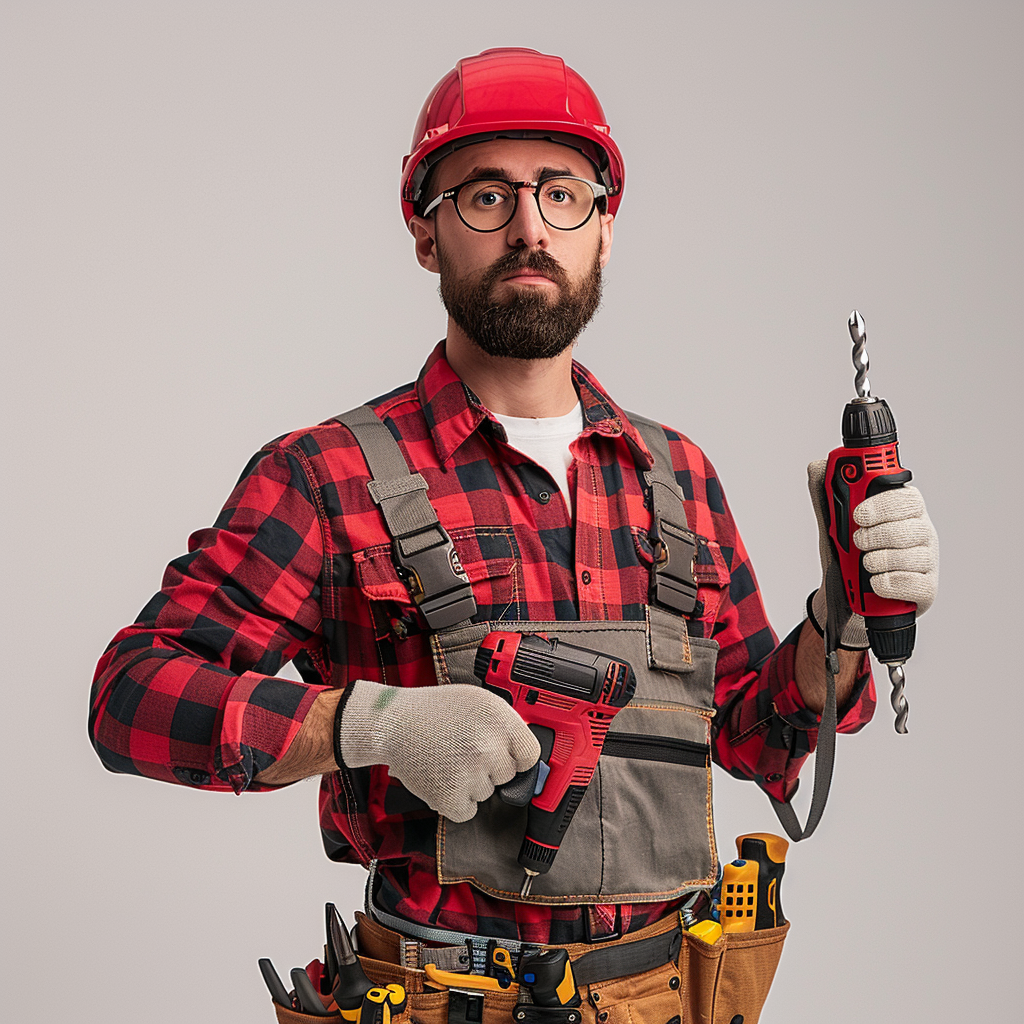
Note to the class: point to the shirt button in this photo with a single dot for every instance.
(585, 577)
(544, 497)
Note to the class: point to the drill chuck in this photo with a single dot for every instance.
(868, 422)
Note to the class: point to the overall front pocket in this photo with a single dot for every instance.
(643, 830)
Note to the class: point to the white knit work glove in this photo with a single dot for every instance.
(901, 550)
(449, 745)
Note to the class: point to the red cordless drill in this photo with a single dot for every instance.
(568, 696)
(869, 463)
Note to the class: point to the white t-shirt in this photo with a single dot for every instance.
(546, 441)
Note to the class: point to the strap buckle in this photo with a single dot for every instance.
(673, 581)
(439, 585)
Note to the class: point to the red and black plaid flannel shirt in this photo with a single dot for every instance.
(298, 567)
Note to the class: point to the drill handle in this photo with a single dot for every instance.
(524, 786)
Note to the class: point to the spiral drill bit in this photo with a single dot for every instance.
(898, 701)
(860, 356)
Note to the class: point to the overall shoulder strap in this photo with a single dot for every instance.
(423, 551)
(672, 580)
(667, 499)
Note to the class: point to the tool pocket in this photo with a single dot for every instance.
(466, 1008)
(643, 830)
(649, 998)
(730, 979)
(286, 1016)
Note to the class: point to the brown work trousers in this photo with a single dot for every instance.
(726, 983)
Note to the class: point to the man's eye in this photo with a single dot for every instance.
(559, 195)
(490, 198)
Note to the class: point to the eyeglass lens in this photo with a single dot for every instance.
(488, 205)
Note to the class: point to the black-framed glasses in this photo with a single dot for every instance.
(489, 204)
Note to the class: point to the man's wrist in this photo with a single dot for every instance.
(310, 751)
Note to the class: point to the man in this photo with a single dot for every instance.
(555, 508)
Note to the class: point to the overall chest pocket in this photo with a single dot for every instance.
(390, 633)
(488, 555)
(710, 572)
(643, 830)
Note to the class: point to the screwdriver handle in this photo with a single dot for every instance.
(768, 851)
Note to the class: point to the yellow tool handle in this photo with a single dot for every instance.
(738, 902)
(449, 979)
(396, 997)
(707, 931)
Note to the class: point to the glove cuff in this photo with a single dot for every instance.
(339, 755)
(363, 725)
(811, 616)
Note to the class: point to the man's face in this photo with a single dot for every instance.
(527, 290)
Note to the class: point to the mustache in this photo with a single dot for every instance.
(526, 259)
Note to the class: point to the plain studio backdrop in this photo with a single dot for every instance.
(203, 249)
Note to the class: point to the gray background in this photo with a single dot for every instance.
(202, 249)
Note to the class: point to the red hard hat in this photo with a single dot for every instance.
(510, 92)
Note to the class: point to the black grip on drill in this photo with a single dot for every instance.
(891, 637)
(545, 830)
(520, 790)
(548, 976)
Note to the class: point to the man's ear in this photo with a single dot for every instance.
(426, 247)
(607, 220)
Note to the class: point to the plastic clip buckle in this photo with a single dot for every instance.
(434, 574)
(674, 583)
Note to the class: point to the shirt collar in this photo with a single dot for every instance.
(453, 412)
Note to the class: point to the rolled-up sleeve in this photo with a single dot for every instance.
(763, 730)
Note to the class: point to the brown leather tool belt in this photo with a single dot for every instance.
(639, 951)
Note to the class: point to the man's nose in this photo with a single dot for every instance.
(527, 229)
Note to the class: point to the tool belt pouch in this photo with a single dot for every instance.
(730, 979)
(380, 973)
(286, 1016)
(643, 831)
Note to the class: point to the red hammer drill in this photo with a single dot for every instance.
(869, 463)
(568, 696)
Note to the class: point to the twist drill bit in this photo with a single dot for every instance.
(898, 701)
(860, 356)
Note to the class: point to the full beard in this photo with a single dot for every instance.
(526, 325)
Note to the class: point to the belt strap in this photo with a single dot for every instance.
(672, 580)
(626, 958)
(423, 551)
(617, 959)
